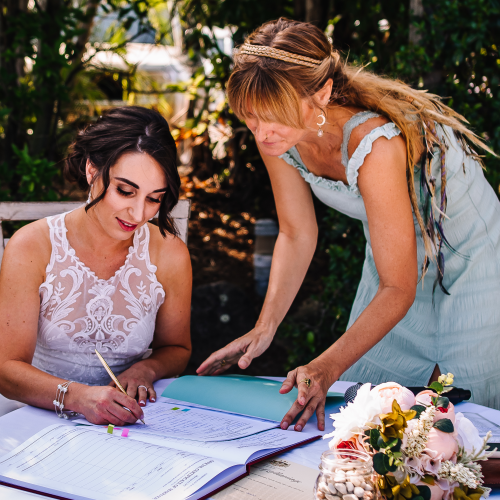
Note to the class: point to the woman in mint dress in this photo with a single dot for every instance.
(399, 161)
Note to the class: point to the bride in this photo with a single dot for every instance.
(101, 277)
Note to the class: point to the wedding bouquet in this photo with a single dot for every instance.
(421, 448)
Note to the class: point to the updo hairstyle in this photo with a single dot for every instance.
(131, 129)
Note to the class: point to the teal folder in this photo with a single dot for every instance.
(252, 396)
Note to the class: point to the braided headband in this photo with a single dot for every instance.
(282, 55)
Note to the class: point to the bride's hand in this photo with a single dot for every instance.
(242, 351)
(138, 382)
(310, 399)
(103, 405)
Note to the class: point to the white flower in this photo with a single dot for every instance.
(417, 434)
(356, 417)
(459, 472)
(467, 434)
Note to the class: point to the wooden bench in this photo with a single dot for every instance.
(30, 211)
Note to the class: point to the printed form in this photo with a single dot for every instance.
(240, 450)
(195, 424)
(83, 463)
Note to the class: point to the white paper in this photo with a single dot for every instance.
(275, 479)
(183, 422)
(83, 463)
(239, 451)
(194, 405)
(483, 425)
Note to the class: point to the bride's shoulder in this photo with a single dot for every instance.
(169, 254)
(30, 246)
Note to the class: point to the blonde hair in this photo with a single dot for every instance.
(272, 89)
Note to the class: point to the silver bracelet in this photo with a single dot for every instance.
(62, 389)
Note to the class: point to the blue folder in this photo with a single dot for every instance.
(242, 394)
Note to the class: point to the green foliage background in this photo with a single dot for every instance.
(454, 53)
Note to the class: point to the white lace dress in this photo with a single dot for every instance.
(80, 312)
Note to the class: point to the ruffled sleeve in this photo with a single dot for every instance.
(292, 157)
(389, 130)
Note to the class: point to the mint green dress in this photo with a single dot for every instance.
(461, 331)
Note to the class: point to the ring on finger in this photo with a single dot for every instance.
(223, 363)
(139, 386)
(306, 381)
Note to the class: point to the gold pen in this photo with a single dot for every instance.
(113, 377)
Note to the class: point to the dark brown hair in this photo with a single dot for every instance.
(120, 131)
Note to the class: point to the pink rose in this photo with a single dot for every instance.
(445, 413)
(391, 391)
(442, 443)
(436, 491)
(354, 443)
(424, 397)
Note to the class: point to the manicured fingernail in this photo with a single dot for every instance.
(298, 428)
(302, 402)
(152, 399)
(141, 402)
(284, 425)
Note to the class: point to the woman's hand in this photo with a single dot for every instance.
(138, 382)
(242, 351)
(103, 405)
(310, 399)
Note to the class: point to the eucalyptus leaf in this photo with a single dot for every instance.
(419, 409)
(425, 492)
(443, 402)
(379, 464)
(374, 437)
(444, 425)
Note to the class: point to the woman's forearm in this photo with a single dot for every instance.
(291, 259)
(385, 311)
(25, 383)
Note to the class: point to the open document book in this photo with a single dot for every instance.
(181, 453)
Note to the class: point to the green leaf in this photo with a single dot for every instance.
(388, 463)
(428, 479)
(379, 464)
(374, 437)
(396, 446)
(444, 425)
(443, 402)
(389, 444)
(419, 409)
(447, 389)
(436, 386)
(425, 491)
(381, 443)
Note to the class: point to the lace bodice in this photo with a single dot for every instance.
(80, 312)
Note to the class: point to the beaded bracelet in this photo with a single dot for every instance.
(62, 389)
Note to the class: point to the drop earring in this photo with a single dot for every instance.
(89, 199)
(322, 121)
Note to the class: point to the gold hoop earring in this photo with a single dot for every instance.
(322, 121)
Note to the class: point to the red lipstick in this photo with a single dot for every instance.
(126, 226)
